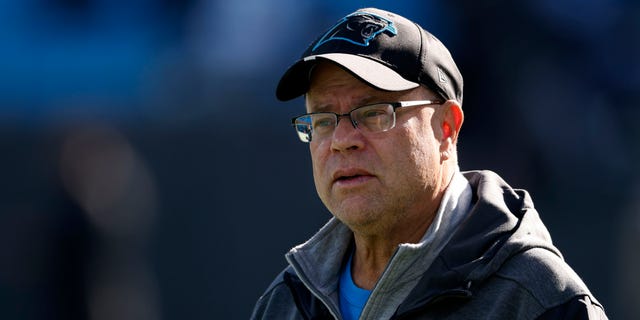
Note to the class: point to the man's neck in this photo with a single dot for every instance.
(373, 252)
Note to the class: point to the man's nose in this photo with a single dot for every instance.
(346, 135)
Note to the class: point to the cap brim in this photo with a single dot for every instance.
(295, 81)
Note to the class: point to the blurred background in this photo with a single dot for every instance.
(148, 171)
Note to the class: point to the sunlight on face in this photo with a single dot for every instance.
(378, 180)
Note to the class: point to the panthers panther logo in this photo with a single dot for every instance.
(358, 28)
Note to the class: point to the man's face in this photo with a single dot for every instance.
(375, 181)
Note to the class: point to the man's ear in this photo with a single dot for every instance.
(451, 120)
(450, 124)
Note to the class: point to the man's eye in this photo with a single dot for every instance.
(323, 123)
(374, 113)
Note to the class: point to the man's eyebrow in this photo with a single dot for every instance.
(318, 108)
(370, 99)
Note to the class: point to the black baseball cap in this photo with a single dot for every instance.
(385, 50)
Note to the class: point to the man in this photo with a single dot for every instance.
(412, 237)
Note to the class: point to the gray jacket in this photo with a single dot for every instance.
(499, 263)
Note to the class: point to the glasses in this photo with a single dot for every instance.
(377, 117)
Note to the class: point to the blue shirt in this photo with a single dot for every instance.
(352, 297)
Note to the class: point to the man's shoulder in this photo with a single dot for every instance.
(537, 283)
(546, 276)
(276, 302)
(279, 281)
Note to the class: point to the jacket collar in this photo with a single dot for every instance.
(501, 223)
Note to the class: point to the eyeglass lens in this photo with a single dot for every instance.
(371, 118)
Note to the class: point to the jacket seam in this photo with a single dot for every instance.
(272, 288)
(522, 287)
(544, 307)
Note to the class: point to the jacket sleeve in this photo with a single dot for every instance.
(580, 307)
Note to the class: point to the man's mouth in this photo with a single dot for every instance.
(343, 178)
(351, 176)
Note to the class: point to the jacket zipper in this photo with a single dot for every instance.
(449, 294)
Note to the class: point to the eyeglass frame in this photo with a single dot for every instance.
(395, 105)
